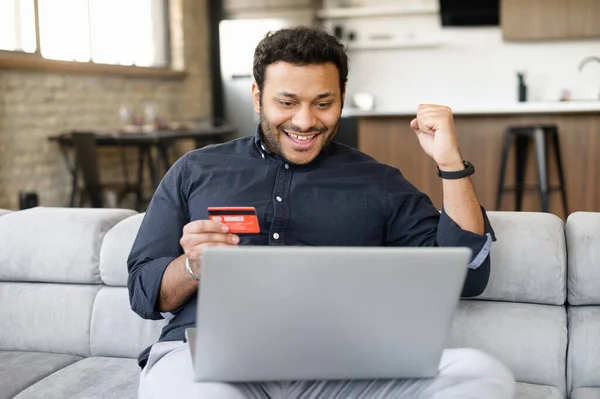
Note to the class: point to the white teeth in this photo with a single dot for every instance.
(302, 138)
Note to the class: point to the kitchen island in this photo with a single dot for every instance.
(386, 136)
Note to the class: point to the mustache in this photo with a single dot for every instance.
(296, 129)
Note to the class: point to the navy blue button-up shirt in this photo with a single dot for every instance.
(342, 198)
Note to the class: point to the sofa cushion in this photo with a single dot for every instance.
(116, 330)
(18, 370)
(46, 317)
(586, 393)
(583, 242)
(531, 340)
(115, 250)
(534, 391)
(91, 378)
(60, 245)
(528, 258)
(583, 358)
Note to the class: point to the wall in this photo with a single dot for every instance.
(473, 65)
(35, 105)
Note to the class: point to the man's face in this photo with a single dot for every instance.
(300, 108)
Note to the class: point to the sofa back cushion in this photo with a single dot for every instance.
(530, 339)
(116, 330)
(46, 317)
(529, 259)
(583, 358)
(115, 249)
(529, 264)
(55, 245)
(583, 242)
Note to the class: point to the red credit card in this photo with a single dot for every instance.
(241, 220)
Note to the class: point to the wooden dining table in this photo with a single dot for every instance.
(161, 141)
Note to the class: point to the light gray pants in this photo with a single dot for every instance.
(464, 373)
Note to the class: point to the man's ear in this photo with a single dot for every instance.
(256, 97)
(343, 98)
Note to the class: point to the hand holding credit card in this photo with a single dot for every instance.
(241, 220)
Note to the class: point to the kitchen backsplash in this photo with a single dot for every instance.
(372, 3)
(474, 65)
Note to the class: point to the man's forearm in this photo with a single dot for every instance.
(461, 204)
(176, 287)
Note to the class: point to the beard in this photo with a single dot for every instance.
(272, 135)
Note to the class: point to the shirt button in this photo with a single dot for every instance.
(263, 155)
(278, 198)
(287, 166)
(263, 147)
(276, 236)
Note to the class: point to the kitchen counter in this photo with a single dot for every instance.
(387, 136)
(526, 108)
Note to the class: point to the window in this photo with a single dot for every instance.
(17, 25)
(120, 32)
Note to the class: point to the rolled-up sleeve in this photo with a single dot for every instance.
(414, 221)
(450, 234)
(157, 241)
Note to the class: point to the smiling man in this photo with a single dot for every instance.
(299, 116)
(307, 190)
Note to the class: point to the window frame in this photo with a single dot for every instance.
(21, 60)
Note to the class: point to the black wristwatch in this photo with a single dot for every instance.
(458, 174)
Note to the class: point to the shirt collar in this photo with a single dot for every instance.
(263, 149)
(259, 142)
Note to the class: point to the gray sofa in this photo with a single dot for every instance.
(66, 329)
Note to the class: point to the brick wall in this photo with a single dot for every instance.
(35, 105)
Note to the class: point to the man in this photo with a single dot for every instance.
(308, 190)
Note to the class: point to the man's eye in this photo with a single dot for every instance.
(286, 103)
(323, 105)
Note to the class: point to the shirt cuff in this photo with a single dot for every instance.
(450, 234)
(483, 254)
(168, 315)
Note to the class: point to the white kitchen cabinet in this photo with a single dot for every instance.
(258, 8)
(235, 5)
(289, 3)
(416, 8)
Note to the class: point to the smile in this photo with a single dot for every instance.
(300, 137)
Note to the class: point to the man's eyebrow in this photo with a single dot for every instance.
(287, 94)
(295, 96)
(324, 95)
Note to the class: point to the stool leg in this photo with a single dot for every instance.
(521, 158)
(74, 188)
(505, 151)
(561, 176)
(540, 152)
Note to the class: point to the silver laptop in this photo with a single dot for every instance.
(306, 313)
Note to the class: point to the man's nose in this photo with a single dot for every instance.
(304, 118)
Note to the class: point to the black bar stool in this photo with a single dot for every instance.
(541, 135)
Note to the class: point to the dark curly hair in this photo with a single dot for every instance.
(300, 46)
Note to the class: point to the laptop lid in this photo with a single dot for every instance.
(305, 313)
